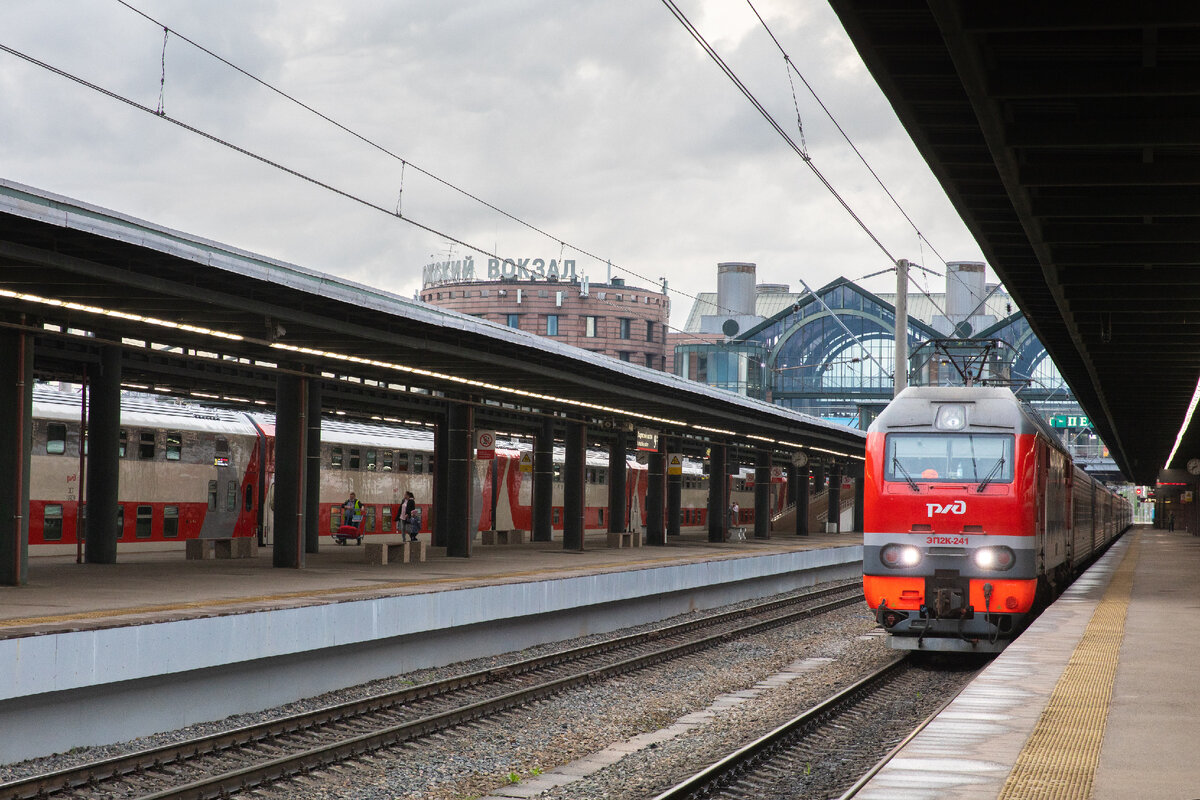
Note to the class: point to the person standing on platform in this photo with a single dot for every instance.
(406, 513)
(351, 511)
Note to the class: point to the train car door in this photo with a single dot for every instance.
(224, 499)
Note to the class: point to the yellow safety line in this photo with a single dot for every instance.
(371, 590)
(1059, 760)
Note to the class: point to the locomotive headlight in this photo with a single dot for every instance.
(997, 558)
(950, 417)
(899, 555)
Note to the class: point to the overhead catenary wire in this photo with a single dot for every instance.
(754, 101)
(389, 153)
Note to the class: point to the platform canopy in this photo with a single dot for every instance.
(1066, 137)
(199, 318)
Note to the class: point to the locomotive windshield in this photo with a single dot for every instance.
(956, 457)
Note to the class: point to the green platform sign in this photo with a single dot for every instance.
(1070, 421)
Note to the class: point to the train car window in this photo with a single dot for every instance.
(56, 438)
(146, 446)
(231, 496)
(430, 463)
(371, 460)
(335, 518)
(170, 522)
(558, 473)
(602, 476)
(174, 445)
(120, 520)
(401, 462)
(221, 444)
(387, 518)
(249, 498)
(212, 495)
(369, 522)
(52, 523)
(335, 458)
(355, 459)
(123, 442)
(143, 526)
(600, 517)
(556, 516)
(969, 457)
(387, 460)
(418, 464)
(591, 475)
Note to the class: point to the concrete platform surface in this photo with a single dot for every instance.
(62, 595)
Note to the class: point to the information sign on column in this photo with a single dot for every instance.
(526, 462)
(485, 445)
(675, 464)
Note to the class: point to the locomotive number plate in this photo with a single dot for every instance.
(958, 540)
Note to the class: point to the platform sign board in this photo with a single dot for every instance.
(1070, 421)
(675, 464)
(485, 445)
(526, 462)
(647, 440)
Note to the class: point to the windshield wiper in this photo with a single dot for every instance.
(896, 463)
(988, 478)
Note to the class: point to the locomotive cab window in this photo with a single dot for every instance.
(953, 457)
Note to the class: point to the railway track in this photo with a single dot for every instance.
(826, 751)
(226, 763)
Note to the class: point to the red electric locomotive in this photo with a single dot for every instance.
(975, 518)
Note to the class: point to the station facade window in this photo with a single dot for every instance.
(626, 326)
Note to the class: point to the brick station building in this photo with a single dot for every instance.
(625, 322)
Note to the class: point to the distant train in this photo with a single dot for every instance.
(975, 517)
(190, 471)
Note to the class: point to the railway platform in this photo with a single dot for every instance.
(1097, 699)
(101, 653)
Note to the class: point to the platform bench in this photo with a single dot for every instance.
(625, 539)
(503, 537)
(241, 547)
(391, 552)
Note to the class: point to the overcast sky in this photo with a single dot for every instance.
(600, 123)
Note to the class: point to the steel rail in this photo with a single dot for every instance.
(703, 780)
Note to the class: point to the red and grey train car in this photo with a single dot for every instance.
(975, 518)
(191, 471)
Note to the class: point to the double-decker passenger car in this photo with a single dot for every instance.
(192, 471)
(975, 518)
